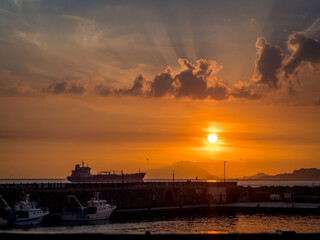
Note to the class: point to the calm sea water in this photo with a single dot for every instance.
(239, 223)
(251, 183)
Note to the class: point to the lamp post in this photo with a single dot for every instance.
(173, 176)
(224, 171)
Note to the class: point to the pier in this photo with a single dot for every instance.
(174, 197)
(146, 195)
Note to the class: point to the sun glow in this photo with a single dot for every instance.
(212, 138)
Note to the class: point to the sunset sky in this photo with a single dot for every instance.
(116, 82)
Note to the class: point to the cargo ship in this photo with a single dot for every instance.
(83, 174)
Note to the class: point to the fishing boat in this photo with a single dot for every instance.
(96, 209)
(28, 213)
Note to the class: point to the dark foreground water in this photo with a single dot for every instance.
(238, 223)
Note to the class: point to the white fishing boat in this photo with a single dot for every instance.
(97, 209)
(28, 213)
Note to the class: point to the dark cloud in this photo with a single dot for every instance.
(162, 84)
(103, 90)
(75, 87)
(198, 81)
(244, 90)
(219, 91)
(195, 81)
(138, 88)
(274, 70)
(269, 64)
(190, 85)
(305, 50)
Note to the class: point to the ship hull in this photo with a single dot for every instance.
(110, 178)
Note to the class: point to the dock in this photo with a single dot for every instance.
(149, 198)
(125, 195)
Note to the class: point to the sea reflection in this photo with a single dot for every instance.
(238, 223)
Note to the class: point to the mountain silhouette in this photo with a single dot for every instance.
(257, 176)
(182, 170)
(301, 174)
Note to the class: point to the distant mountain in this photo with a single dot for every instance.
(301, 174)
(182, 170)
(256, 176)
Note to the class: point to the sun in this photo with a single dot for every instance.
(212, 138)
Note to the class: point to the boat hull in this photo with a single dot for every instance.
(30, 221)
(79, 216)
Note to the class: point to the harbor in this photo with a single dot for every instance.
(175, 209)
(127, 197)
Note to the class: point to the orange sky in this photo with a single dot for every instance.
(119, 83)
(48, 135)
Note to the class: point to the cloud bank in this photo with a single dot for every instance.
(194, 81)
(74, 87)
(274, 69)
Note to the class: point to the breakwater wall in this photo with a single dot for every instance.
(152, 195)
(124, 195)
